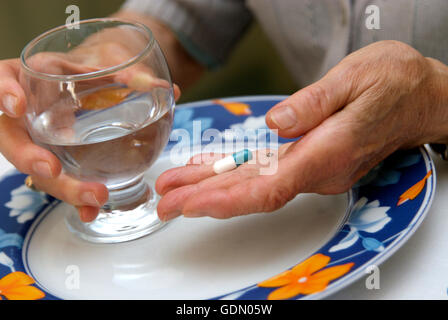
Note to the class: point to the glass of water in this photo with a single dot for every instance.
(100, 97)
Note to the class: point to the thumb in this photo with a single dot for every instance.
(308, 107)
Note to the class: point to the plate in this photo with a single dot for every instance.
(311, 248)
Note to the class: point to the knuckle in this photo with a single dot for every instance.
(23, 165)
(21, 162)
(8, 85)
(7, 66)
(410, 67)
(3, 71)
(402, 66)
(315, 96)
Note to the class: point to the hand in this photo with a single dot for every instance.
(381, 98)
(41, 164)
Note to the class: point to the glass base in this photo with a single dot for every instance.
(130, 213)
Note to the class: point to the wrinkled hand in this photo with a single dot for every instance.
(381, 98)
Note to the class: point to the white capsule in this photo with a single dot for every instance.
(225, 164)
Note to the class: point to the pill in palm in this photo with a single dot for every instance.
(231, 162)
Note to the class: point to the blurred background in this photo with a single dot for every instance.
(254, 67)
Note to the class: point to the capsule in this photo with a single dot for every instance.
(233, 161)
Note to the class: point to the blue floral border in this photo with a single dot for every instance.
(375, 227)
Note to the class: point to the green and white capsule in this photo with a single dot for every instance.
(231, 162)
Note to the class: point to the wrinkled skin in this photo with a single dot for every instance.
(381, 98)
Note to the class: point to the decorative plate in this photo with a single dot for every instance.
(311, 248)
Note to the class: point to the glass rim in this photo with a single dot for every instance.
(89, 75)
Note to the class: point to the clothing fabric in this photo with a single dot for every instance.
(311, 35)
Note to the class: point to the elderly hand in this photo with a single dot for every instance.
(381, 98)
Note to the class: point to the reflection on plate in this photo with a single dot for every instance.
(311, 248)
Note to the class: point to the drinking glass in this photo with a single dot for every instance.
(100, 97)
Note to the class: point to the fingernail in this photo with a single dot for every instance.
(284, 117)
(90, 199)
(85, 214)
(42, 169)
(9, 103)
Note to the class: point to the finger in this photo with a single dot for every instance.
(72, 191)
(143, 80)
(308, 107)
(12, 96)
(188, 182)
(256, 193)
(225, 203)
(172, 203)
(334, 164)
(88, 214)
(138, 77)
(177, 92)
(17, 147)
(58, 64)
(199, 167)
(178, 177)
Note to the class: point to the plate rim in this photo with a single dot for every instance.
(24, 251)
(396, 244)
(335, 285)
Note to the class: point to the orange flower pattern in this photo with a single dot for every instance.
(17, 286)
(236, 108)
(305, 278)
(414, 191)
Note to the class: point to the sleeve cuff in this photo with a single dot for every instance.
(207, 29)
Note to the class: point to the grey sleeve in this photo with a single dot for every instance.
(208, 29)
